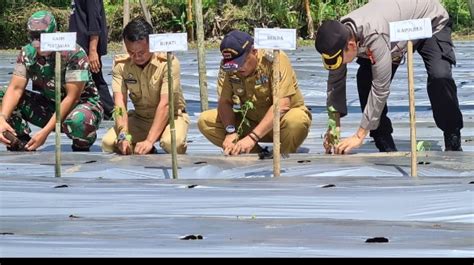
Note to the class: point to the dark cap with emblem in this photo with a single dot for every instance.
(234, 48)
(331, 40)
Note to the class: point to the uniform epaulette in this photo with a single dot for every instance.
(121, 58)
(162, 56)
(268, 55)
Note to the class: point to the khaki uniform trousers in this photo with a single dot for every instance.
(294, 128)
(139, 127)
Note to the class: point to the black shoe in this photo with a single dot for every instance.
(265, 153)
(80, 148)
(452, 141)
(385, 143)
(16, 143)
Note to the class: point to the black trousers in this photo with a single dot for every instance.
(438, 55)
(105, 97)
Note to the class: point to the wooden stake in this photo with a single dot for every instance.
(411, 92)
(126, 18)
(201, 55)
(174, 159)
(276, 114)
(189, 20)
(309, 19)
(57, 84)
(146, 12)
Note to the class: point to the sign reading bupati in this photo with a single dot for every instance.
(59, 41)
(168, 42)
(410, 29)
(275, 38)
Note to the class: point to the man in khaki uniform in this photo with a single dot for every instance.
(143, 75)
(247, 76)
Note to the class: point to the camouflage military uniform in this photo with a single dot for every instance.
(38, 107)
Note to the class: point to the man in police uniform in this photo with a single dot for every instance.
(247, 76)
(143, 75)
(364, 33)
(80, 108)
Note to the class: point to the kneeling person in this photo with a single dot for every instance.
(81, 111)
(143, 75)
(246, 75)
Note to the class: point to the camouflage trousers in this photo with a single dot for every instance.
(80, 124)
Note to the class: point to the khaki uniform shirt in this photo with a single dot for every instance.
(146, 85)
(257, 87)
(371, 25)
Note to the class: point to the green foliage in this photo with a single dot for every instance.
(332, 125)
(13, 23)
(423, 146)
(248, 105)
(220, 16)
(117, 112)
(459, 12)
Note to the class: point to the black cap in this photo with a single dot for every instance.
(234, 48)
(331, 40)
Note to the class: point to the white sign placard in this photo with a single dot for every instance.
(59, 41)
(168, 42)
(275, 38)
(410, 29)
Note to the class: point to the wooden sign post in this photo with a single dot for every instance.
(58, 42)
(408, 30)
(168, 43)
(275, 39)
(201, 53)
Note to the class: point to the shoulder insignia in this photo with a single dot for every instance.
(121, 58)
(162, 56)
(268, 55)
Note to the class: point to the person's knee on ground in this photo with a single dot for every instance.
(208, 124)
(294, 130)
(181, 145)
(108, 141)
(82, 133)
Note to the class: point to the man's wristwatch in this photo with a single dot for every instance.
(122, 137)
(230, 129)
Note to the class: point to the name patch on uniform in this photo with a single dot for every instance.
(262, 80)
(235, 80)
(130, 79)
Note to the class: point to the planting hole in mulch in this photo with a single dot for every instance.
(303, 161)
(328, 186)
(191, 237)
(377, 240)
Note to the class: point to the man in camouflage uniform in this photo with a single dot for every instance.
(246, 75)
(80, 108)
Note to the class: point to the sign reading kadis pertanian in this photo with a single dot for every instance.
(58, 41)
